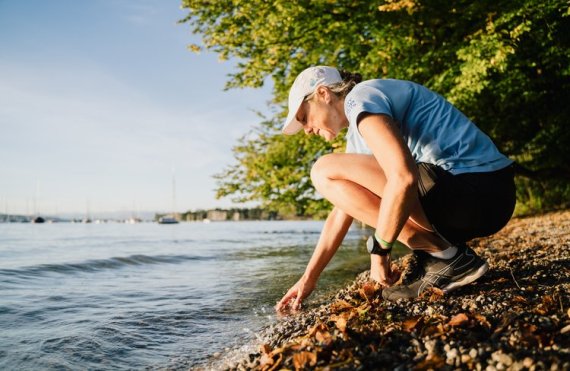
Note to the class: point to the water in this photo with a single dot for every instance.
(120, 296)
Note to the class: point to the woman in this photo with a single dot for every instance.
(415, 169)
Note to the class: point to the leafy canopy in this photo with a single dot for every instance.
(503, 63)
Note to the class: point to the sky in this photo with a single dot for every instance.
(103, 107)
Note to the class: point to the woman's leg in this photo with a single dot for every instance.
(355, 184)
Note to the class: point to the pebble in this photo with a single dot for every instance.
(465, 358)
(527, 362)
(451, 354)
(430, 346)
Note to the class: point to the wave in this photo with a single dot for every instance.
(97, 265)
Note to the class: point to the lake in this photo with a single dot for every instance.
(131, 296)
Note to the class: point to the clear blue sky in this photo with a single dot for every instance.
(100, 100)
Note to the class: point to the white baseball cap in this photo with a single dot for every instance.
(305, 84)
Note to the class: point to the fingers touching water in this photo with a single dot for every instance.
(292, 300)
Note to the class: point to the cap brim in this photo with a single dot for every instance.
(292, 126)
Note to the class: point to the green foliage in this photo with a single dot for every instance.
(505, 64)
(274, 169)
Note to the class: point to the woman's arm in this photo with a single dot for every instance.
(334, 231)
(384, 139)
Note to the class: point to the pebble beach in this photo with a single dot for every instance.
(516, 317)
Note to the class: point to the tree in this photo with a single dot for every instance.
(505, 64)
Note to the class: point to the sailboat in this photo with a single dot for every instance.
(170, 219)
(37, 219)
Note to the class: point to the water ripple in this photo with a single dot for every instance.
(97, 265)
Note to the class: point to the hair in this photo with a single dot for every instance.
(341, 89)
(349, 81)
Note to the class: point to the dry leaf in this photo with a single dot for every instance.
(458, 320)
(315, 329)
(368, 290)
(340, 305)
(432, 362)
(324, 337)
(519, 299)
(302, 360)
(266, 360)
(411, 323)
(436, 294)
(265, 348)
(483, 320)
(340, 323)
(277, 363)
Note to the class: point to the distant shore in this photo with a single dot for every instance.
(515, 317)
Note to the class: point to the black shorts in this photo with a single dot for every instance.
(464, 206)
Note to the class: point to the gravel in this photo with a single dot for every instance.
(516, 317)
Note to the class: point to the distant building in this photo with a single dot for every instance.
(217, 215)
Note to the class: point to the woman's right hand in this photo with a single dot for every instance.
(292, 300)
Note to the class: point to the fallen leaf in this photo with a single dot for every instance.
(340, 322)
(431, 362)
(324, 337)
(411, 323)
(265, 348)
(266, 360)
(303, 359)
(519, 299)
(433, 294)
(276, 364)
(458, 320)
(368, 290)
(340, 305)
(483, 320)
(315, 329)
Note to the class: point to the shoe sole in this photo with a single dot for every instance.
(467, 279)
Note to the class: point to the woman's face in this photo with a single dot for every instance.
(323, 114)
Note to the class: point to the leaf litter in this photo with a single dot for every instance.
(515, 317)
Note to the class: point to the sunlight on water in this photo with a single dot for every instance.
(116, 296)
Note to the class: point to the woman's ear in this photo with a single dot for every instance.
(324, 93)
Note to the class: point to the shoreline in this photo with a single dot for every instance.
(517, 316)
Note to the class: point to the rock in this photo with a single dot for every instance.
(473, 353)
(527, 362)
(430, 346)
(451, 354)
(465, 358)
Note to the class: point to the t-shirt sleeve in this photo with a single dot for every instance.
(364, 98)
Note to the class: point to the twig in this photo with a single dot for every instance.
(514, 279)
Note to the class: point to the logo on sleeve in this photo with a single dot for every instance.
(349, 106)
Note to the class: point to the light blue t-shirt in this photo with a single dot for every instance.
(434, 130)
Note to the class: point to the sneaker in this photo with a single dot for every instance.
(445, 274)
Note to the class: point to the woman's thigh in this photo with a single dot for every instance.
(363, 170)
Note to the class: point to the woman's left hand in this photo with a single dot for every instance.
(382, 271)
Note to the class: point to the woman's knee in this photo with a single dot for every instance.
(323, 170)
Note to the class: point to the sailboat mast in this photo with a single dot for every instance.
(173, 193)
